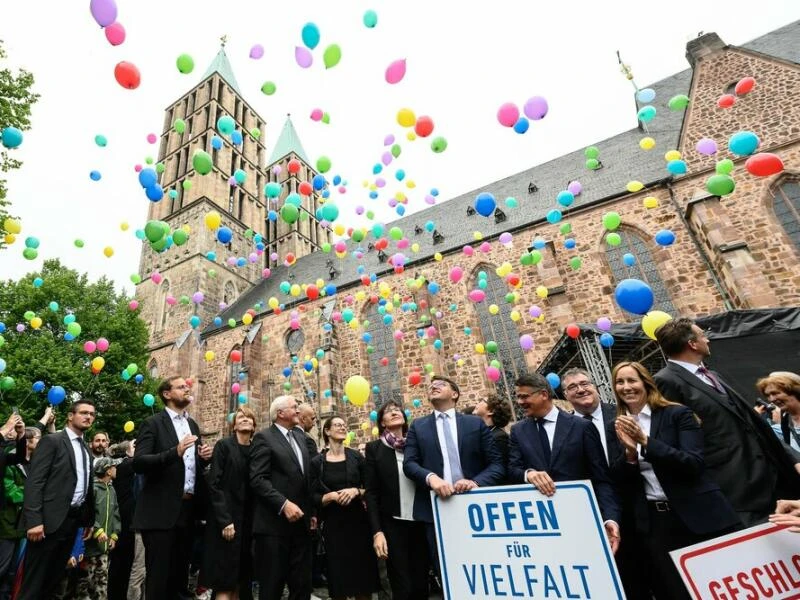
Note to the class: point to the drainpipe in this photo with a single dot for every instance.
(726, 298)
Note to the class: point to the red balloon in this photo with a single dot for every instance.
(236, 356)
(381, 244)
(305, 188)
(512, 279)
(764, 164)
(573, 330)
(726, 101)
(424, 126)
(399, 269)
(414, 378)
(384, 362)
(745, 86)
(127, 75)
(373, 299)
(293, 166)
(312, 292)
(366, 281)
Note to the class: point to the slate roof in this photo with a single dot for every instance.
(222, 65)
(288, 141)
(622, 160)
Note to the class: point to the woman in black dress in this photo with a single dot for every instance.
(337, 476)
(496, 413)
(227, 566)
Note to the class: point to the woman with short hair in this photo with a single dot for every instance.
(496, 413)
(782, 388)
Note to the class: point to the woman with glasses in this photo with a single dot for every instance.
(337, 483)
(656, 449)
(396, 537)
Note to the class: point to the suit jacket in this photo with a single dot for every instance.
(480, 459)
(383, 484)
(501, 441)
(742, 453)
(311, 445)
(52, 477)
(577, 453)
(675, 450)
(228, 484)
(159, 502)
(275, 477)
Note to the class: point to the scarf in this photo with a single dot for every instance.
(390, 440)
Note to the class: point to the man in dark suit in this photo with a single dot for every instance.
(449, 453)
(280, 481)
(581, 392)
(58, 501)
(742, 454)
(308, 420)
(552, 445)
(172, 461)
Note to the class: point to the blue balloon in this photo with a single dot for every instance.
(194, 321)
(629, 259)
(521, 126)
(565, 198)
(217, 321)
(330, 289)
(400, 210)
(400, 174)
(11, 137)
(310, 35)
(272, 215)
(326, 193)
(241, 261)
(743, 143)
(646, 95)
(606, 340)
(38, 386)
(287, 371)
(665, 237)
(377, 168)
(2, 327)
(139, 378)
(139, 233)
(154, 193)
(2, 365)
(430, 226)
(634, 295)
(373, 195)
(318, 182)
(676, 167)
(56, 395)
(485, 204)
(434, 192)
(37, 282)
(569, 243)
(147, 177)
(236, 138)
(68, 337)
(539, 243)
(216, 143)
(553, 379)
(95, 176)
(212, 256)
(224, 235)
(433, 287)
(554, 216)
(366, 338)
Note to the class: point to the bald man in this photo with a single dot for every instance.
(308, 420)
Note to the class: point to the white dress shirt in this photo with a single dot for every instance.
(652, 487)
(293, 444)
(692, 368)
(597, 421)
(81, 468)
(451, 423)
(180, 421)
(406, 487)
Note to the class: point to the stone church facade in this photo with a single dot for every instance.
(737, 251)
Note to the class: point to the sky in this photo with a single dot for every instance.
(464, 60)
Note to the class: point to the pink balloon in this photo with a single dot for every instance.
(266, 272)
(236, 388)
(115, 33)
(257, 51)
(316, 114)
(505, 238)
(403, 244)
(156, 277)
(396, 71)
(133, 305)
(398, 334)
(535, 108)
(468, 250)
(104, 12)
(456, 273)
(151, 138)
(303, 57)
(508, 114)
(707, 147)
(102, 345)
(171, 300)
(485, 247)
(604, 324)
(575, 188)
(493, 373)
(477, 295)
(526, 342)
(89, 347)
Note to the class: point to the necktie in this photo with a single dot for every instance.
(710, 376)
(452, 449)
(544, 441)
(588, 418)
(87, 465)
(295, 449)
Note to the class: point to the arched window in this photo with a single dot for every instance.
(501, 329)
(383, 347)
(644, 268)
(229, 293)
(787, 209)
(162, 321)
(152, 369)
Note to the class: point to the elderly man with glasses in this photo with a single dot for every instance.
(581, 392)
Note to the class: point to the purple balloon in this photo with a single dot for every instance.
(604, 324)
(103, 11)
(535, 108)
(257, 51)
(575, 188)
(707, 146)
(386, 158)
(526, 342)
(535, 311)
(303, 56)
(388, 140)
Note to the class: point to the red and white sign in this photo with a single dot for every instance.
(760, 562)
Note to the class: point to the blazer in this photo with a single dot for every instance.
(742, 453)
(311, 445)
(275, 477)
(354, 466)
(159, 502)
(8, 458)
(577, 453)
(675, 450)
(382, 484)
(52, 477)
(501, 441)
(228, 484)
(480, 459)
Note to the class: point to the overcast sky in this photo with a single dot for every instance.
(463, 63)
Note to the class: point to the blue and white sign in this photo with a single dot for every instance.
(513, 542)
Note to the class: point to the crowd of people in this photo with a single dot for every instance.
(681, 458)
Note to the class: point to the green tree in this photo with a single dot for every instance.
(44, 354)
(16, 99)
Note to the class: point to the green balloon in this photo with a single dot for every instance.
(160, 168)
(268, 88)
(591, 152)
(136, 278)
(678, 102)
(491, 347)
(78, 243)
(74, 328)
(439, 145)
(592, 163)
(186, 185)
(2, 340)
(149, 160)
(370, 19)
(326, 247)
(565, 228)
(575, 262)
(358, 235)
(179, 125)
(185, 64)
(28, 315)
(100, 140)
(396, 233)
(720, 185)
(179, 236)
(724, 166)
(396, 150)
(323, 164)
(332, 56)
(132, 368)
(289, 213)
(212, 273)
(154, 230)
(613, 239)
(370, 214)
(510, 297)
(30, 253)
(255, 133)
(526, 259)
(7, 383)
(159, 245)
(202, 162)
(326, 118)
(611, 220)
(184, 299)
(231, 322)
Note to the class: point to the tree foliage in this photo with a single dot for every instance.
(16, 99)
(43, 354)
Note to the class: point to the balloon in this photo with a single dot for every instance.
(678, 102)
(268, 88)
(611, 220)
(646, 95)
(724, 166)
(56, 395)
(764, 164)
(257, 51)
(485, 204)
(396, 71)
(424, 126)
(634, 295)
(224, 235)
(706, 147)
(370, 19)
(357, 389)
(104, 12)
(102, 344)
(606, 340)
(535, 108)
(720, 185)
(553, 379)
(89, 347)
(406, 117)
(493, 373)
(521, 126)
(127, 75)
(647, 143)
(573, 331)
(331, 58)
(665, 237)
(38, 386)
(672, 155)
(310, 35)
(98, 362)
(212, 220)
(148, 399)
(646, 113)
(115, 34)
(95, 175)
(439, 145)
(323, 164)
(676, 167)
(185, 64)
(744, 86)
(726, 101)
(202, 162)
(526, 342)
(652, 321)
(743, 143)
(508, 114)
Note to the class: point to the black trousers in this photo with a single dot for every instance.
(167, 553)
(120, 562)
(408, 559)
(283, 560)
(45, 561)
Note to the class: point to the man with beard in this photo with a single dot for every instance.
(172, 459)
(99, 445)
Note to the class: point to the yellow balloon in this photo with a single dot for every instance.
(672, 155)
(213, 220)
(410, 184)
(273, 303)
(650, 202)
(320, 283)
(477, 236)
(341, 254)
(247, 318)
(124, 226)
(460, 362)
(98, 362)
(406, 117)
(415, 247)
(354, 324)
(374, 432)
(361, 295)
(437, 257)
(494, 309)
(209, 355)
(647, 143)
(357, 389)
(515, 315)
(634, 186)
(128, 427)
(364, 426)
(10, 238)
(338, 229)
(108, 251)
(411, 136)
(295, 290)
(504, 269)
(12, 225)
(36, 322)
(479, 348)
(541, 291)
(652, 321)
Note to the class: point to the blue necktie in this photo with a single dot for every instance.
(452, 450)
(544, 441)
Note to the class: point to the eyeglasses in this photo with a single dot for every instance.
(584, 385)
(526, 396)
(338, 426)
(437, 385)
(180, 387)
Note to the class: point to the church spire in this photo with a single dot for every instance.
(288, 141)
(222, 65)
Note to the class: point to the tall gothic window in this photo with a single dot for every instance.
(501, 329)
(644, 268)
(162, 320)
(787, 209)
(386, 377)
(229, 293)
